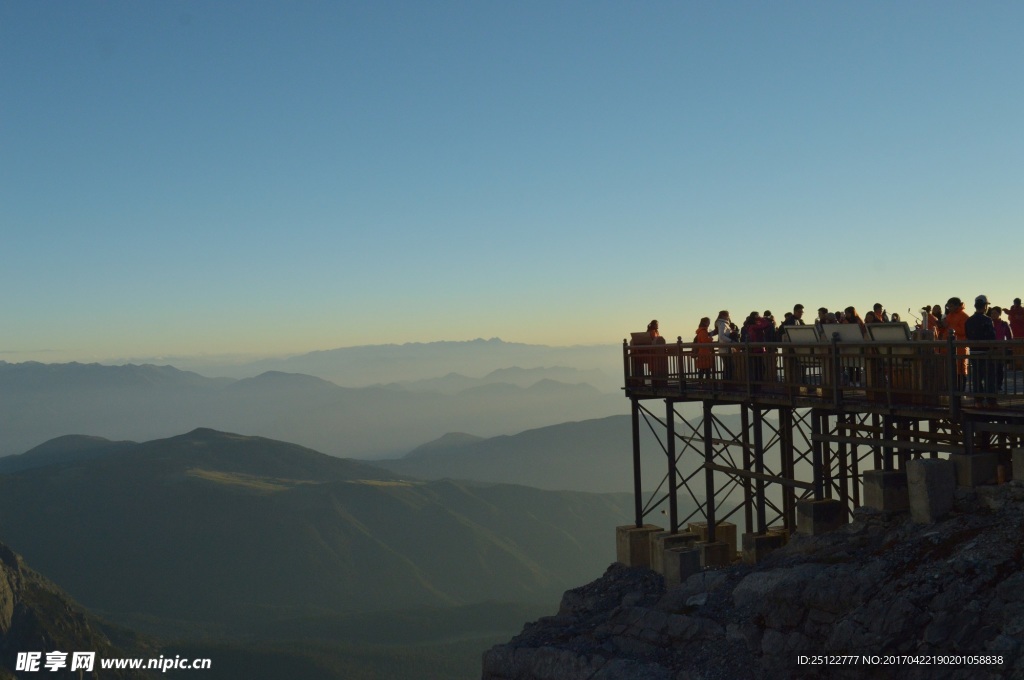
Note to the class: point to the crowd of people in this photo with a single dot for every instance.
(936, 322)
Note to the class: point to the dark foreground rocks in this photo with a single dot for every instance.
(881, 598)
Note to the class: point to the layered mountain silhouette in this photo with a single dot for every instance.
(591, 455)
(240, 531)
(41, 401)
(453, 383)
(382, 364)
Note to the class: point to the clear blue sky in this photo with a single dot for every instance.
(269, 177)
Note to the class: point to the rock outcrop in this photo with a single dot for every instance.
(36, 616)
(880, 598)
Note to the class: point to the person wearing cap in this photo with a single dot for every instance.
(979, 327)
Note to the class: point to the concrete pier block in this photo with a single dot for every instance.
(757, 546)
(724, 532)
(680, 564)
(717, 554)
(665, 540)
(779, 531)
(819, 517)
(633, 544)
(1017, 462)
(886, 490)
(931, 484)
(975, 469)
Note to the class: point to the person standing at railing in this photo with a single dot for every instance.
(704, 358)
(929, 323)
(850, 315)
(658, 361)
(725, 329)
(1003, 332)
(938, 322)
(756, 330)
(979, 327)
(956, 320)
(1015, 315)
(881, 316)
(797, 318)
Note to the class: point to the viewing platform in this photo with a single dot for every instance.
(795, 435)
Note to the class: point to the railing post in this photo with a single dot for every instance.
(954, 374)
(679, 364)
(888, 373)
(837, 366)
(625, 366)
(749, 365)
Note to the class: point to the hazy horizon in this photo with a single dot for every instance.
(55, 356)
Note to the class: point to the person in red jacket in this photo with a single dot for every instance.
(705, 356)
(1015, 315)
(956, 321)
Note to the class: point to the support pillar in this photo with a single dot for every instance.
(638, 501)
(673, 508)
(709, 473)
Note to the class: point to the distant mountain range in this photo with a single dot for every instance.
(381, 364)
(235, 532)
(453, 383)
(592, 455)
(41, 401)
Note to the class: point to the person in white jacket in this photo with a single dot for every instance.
(725, 330)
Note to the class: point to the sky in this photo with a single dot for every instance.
(271, 178)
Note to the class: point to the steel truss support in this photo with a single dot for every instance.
(772, 457)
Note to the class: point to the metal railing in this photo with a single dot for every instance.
(944, 375)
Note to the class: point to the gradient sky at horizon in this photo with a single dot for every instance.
(273, 178)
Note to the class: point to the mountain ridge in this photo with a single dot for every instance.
(231, 530)
(41, 401)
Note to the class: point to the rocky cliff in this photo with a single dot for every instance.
(881, 598)
(36, 616)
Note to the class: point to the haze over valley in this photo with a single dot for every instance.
(41, 401)
(204, 510)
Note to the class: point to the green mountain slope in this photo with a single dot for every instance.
(216, 529)
(590, 455)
